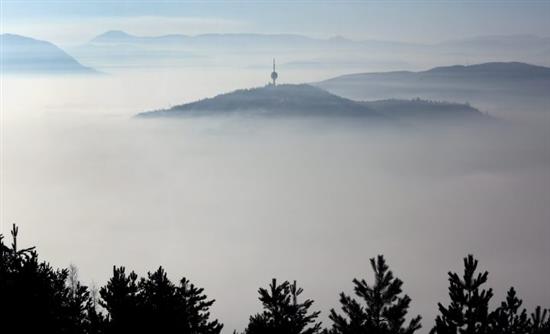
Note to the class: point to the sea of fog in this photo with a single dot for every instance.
(232, 203)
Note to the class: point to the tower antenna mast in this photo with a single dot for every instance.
(274, 74)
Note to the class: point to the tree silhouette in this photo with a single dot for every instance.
(507, 318)
(540, 321)
(120, 298)
(194, 308)
(159, 303)
(35, 297)
(384, 310)
(468, 312)
(96, 322)
(155, 304)
(283, 313)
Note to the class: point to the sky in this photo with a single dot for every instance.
(71, 22)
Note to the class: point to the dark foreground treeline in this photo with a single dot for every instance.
(36, 298)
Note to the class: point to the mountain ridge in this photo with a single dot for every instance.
(477, 83)
(498, 39)
(22, 54)
(487, 68)
(289, 100)
(107, 49)
(269, 100)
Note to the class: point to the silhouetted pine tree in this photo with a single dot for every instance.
(159, 303)
(507, 318)
(96, 322)
(194, 309)
(540, 321)
(283, 313)
(383, 311)
(35, 298)
(120, 298)
(156, 305)
(78, 300)
(468, 312)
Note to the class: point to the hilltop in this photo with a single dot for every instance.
(309, 101)
(281, 100)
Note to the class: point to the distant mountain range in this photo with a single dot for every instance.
(470, 81)
(494, 43)
(309, 101)
(118, 49)
(212, 40)
(27, 55)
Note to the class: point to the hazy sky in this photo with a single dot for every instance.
(73, 22)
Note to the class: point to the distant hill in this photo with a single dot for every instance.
(214, 39)
(121, 37)
(418, 110)
(491, 71)
(485, 71)
(308, 101)
(113, 36)
(458, 81)
(27, 55)
(276, 101)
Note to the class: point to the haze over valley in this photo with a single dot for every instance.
(178, 148)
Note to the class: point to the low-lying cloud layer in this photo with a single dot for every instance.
(231, 203)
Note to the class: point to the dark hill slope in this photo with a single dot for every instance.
(450, 82)
(423, 111)
(27, 55)
(309, 101)
(282, 100)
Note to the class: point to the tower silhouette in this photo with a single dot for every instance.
(274, 74)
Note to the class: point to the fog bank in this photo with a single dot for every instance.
(231, 203)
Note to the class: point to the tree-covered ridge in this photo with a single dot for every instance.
(36, 298)
(309, 101)
(506, 72)
(280, 100)
(426, 110)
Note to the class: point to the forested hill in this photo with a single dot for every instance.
(457, 82)
(309, 101)
(486, 72)
(281, 100)
(426, 110)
